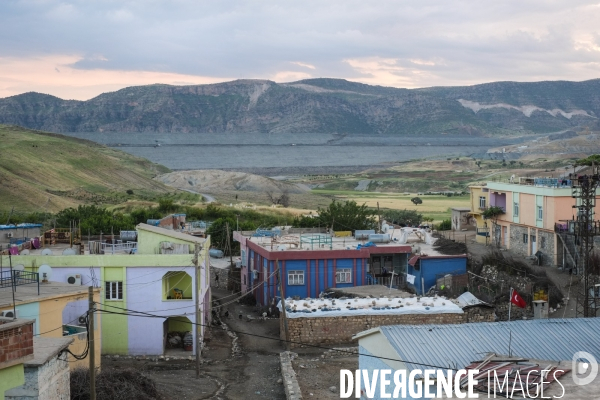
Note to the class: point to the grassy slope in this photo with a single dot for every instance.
(48, 172)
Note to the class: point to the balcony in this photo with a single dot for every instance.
(483, 232)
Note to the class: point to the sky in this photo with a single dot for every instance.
(79, 49)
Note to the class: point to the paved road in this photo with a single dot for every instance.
(207, 197)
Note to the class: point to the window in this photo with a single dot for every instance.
(540, 212)
(481, 201)
(343, 275)
(525, 238)
(516, 209)
(295, 277)
(542, 242)
(114, 290)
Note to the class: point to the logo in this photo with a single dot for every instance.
(585, 368)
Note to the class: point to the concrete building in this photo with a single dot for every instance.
(16, 348)
(156, 276)
(443, 347)
(47, 375)
(17, 234)
(480, 201)
(533, 208)
(55, 309)
(462, 219)
(310, 263)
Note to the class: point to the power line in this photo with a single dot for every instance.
(133, 313)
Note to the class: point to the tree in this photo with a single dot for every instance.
(403, 217)
(445, 225)
(416, 201)
(218, 232)
(283, 199)
(492, 213)
(347, 216)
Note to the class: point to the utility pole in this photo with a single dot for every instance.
(285, 322)
(91, 344)
(379, 216)
(197, 296)
(229, 246)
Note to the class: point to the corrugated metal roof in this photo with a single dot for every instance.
(467, 299)
(455, 346)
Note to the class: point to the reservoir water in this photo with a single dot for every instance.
(290, 153)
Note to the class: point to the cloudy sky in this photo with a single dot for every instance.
(79, 49)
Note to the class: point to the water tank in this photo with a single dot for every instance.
(379, 238)
(216, 253)
(362, 235)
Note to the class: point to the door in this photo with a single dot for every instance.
(533, 245)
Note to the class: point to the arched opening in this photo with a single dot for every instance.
(178, 335)
(177, 285)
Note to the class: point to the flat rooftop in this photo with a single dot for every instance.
(324, 241)
(386, 305)
(29, 293)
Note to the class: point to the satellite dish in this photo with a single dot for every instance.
(45, 272)
(46, 252)
(68, 252)
(25, 252)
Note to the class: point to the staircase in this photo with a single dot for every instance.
(568, 242)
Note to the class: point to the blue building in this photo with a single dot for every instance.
(310, 264)
(426, 270)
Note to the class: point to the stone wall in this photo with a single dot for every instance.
(50, 381)
(223, 280)
(339, 330)
(516, 240)
(545, 244)
(290, 383)
(480, 314)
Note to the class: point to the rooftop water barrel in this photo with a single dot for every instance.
(379, 238)
(364, 234)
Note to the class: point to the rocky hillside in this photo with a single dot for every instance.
(213, 180)
(318, 106)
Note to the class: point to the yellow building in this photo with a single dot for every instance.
(480, 200)
(56, 309)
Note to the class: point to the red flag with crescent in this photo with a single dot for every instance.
(517, 300)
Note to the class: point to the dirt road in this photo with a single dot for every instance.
(252, 374)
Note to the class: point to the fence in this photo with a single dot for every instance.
(15, 278)
(454, 284)
(396, 281)
(112, 248)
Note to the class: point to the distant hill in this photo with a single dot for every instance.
(317, 106)
(47, 172)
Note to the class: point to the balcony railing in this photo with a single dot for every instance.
(13, 278)
(483, 232)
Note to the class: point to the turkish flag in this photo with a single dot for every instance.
(517, 300)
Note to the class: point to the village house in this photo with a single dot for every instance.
(310, 263)
(480, 201)
(538, 342)
(534, 210)
(154, 275)
(57, 309)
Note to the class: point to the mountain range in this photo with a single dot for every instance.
(317, 106)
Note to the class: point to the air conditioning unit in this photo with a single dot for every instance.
(74, 279)
(9, 314)
(255, 274)
(9, 235)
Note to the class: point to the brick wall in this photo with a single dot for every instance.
(339, 330)
(16, 342)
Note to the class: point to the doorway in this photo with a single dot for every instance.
(533, 245)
